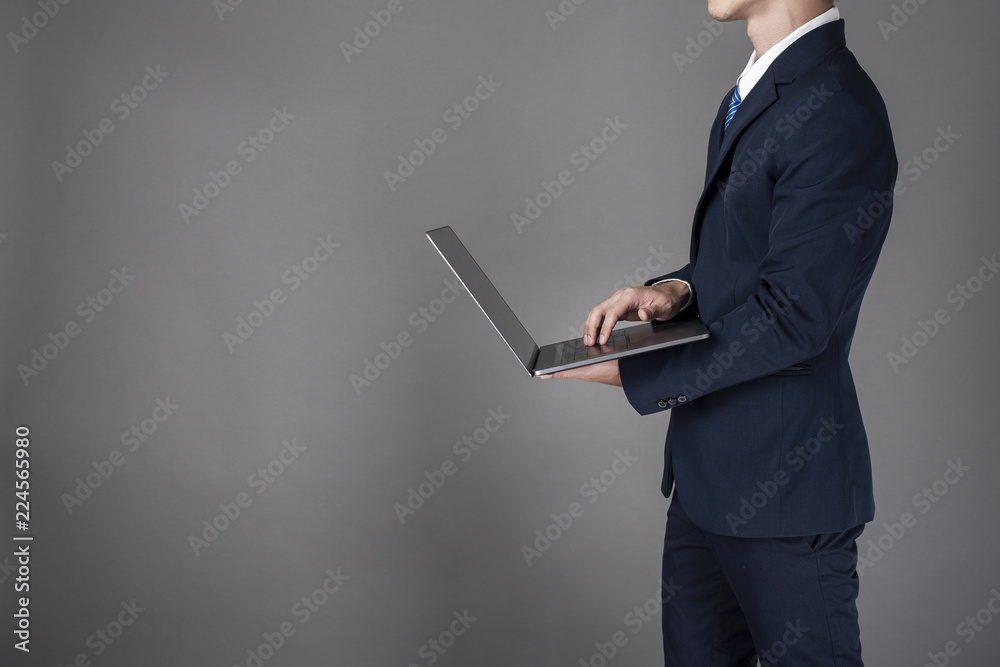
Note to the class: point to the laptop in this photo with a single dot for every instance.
(568, 353)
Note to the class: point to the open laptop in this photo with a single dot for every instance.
(568, 353)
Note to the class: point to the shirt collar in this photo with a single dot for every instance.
(756, 67)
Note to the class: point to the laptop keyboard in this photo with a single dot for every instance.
(575, 350)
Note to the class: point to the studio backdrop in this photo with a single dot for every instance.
(250, 418)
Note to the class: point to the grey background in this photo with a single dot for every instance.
(323, 175)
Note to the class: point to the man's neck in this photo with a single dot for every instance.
(778, 20)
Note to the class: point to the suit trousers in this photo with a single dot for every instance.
(779, 600)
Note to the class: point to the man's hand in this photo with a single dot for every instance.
(658, 302)
(605, 372)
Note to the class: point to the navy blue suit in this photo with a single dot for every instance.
(766, 438)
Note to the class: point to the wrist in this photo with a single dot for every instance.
(677, 291)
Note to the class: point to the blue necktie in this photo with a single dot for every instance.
(734, 104)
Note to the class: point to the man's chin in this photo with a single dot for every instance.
(725, 11)
(723, 17)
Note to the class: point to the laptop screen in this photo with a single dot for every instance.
(485, 294)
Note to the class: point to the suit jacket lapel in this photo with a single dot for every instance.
(715, 139)
(760, 98)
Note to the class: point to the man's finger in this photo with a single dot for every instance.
(619, 306)
(609, 325)
(595, 318)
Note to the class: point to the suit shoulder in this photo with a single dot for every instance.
(832, 123)
(837, 99)
(851, 78)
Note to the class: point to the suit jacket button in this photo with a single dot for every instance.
(672, 401)
(682, 398)
(662, 403)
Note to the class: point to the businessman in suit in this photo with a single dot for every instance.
(767, 461)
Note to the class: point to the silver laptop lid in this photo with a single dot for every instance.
(485, 295)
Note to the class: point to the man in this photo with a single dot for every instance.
(766, 453)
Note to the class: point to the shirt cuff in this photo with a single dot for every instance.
(690, 290)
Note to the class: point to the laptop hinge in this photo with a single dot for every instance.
(532, 361)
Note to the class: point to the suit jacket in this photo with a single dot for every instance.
(766, 437)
